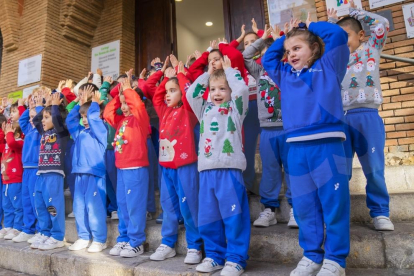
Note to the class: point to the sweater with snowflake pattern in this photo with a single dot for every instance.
(11, 160)
(220, 143)
(177, 146)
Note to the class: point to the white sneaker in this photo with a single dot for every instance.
(50, 244)
(292, 221)
(306, 267)
(331, 268)
(116, 250)
(383, 223)
(79, 245)
(96, 247)
(114, 215)
(12, 234)
(266, 218)
(71, 215)
(163, 252)
(208, 265)
(3, 232)
(149, 216)
(35, 237)
(194, 256)
(22, 237)
(39, 241)
(130, 252)
(232, 269)
(67, 192)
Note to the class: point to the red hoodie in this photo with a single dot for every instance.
(11, 160)
(177, 146)
(130, 143)
(69, 95)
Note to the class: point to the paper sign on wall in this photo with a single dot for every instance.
(106, 58)
(282, 11)
(15, 95)
(379, 3)
(342, 6)
(27, 91)
(30, 70)
(408, 11)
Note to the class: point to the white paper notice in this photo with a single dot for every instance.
(282, 11)
(409, 19)
(380, 3)
(106, 58)
(28, 90)
(30, 70)
(342, 6)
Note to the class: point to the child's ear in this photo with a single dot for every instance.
(361, 35)
(17, 135)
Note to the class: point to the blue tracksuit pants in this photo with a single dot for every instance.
(69, 176)
(1, 204)
(153, 163)
(179, 195)
(132, 195)
(365, 136)
(89, 207)
(251, 126)
(320, 193)
(273, 152)
(111, 180)
(12, 206)
(224, 216)
(28, 195)
(50, 205)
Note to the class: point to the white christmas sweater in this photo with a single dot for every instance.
(361, 86)
(220, 143)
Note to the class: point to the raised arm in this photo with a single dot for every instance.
(96, 124)
(158, 99)
(16, 145)
(252, 66)
(239, 89)
(110, 113)
(24, 122)
(58, 122)
(197, 68)
(37, 121)
(185, 84)
(272, 60)
(195, 94)
(136, 105)
(72, 122)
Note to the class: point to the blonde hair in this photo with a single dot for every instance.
(218, 74)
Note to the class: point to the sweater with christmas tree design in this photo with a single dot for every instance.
(177, 146)
(11, 160)
(269, 105)
(361, 87)
(220, 143)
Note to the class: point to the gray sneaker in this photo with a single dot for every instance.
(383, 223)
(306, 267)
(331, 268)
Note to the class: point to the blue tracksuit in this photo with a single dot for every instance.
(89, 167)
(30, 159)
(179, 197)
(312, 117)
(111, 180)
(365, 135)
(153, 163)
(69, 176)
(12, 206)
(1, 204)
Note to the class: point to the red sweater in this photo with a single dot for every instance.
(130, 143)
(69, 95)
(177, 146)
(11, 160)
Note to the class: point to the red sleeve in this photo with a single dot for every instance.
(158, 100)
(197, 68)
(21, 109)
(115, 91)
(237, 60)
(12, 143)
(152, 83)
(234, 44)
(2, 140)
(184, 85)
(136, 106)
(110, 115)
(69, 95)
(144, 87)
(260, 33)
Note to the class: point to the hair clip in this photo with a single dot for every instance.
(302, 26)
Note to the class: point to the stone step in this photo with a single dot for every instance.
(62, 262)
(369, 248)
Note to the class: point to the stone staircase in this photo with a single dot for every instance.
(273, 251)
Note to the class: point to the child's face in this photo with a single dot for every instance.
(124, 106)
(249, 39)
(220, 91)
(298, 52)
(354, 38)
(173, 96)
(215, 56)
(32, 114)
(85, 120)
(14, 114)
(47, 121)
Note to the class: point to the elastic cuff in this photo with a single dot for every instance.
(209, 49)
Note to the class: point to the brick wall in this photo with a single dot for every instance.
(397, 80)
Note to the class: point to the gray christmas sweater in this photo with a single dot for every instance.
(268, 93)
(361, 86)
(220, 143)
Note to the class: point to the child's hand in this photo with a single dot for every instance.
(308, 20)
(31, 102)
(167, 60)
(96, 98)
(294, 23)
(170, 73)
(126, 84)
(286, 28)
(108, 79)
(99, 72)
(213, 44)
(352, 4)
(275, 32)
(197, 54)
(56, 100)
(83, 97)
(222, 41)
(20, 102)
(174, 61)
(60, 85)
(9, 128)
(243, 34)
(129, 73)
(254, 26)
(90, 74)
(267, 32)
(226, 62)
(143, 73)
(332, 13)
(189, 59)
(210, 67)
(69, 83)
(181, 68)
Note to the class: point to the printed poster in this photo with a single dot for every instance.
(106, 57)
(342, 6)
(409, 19)
(29, 70)
(15, 95)
(282, 11)
(380, 3)
(27, 91)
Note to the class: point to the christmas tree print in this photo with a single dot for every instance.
(368, 20)
(227, 148)
(354, 83)
(208, 108)
(214, 126)
(370, 82)
(239, 105)
(230, 125)
(199, 90)
(238, 76)
(202, 128)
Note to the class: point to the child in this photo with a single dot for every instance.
(179, 184)
(131, 159)
(361, 97)
(223, 217)
(49, 198)
(88, 165)
(12, 170)
(273, 146)
(312, 118)
(2, 142)
(30, 166)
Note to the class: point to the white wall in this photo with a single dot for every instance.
(187, 42)
(206, 40)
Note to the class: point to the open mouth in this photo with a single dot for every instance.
(218, 100)
(295, 61)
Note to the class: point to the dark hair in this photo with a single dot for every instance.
(122, 76)
(2, 119)
(17, 129)
(84, 108)
(269, 41)
(14, 106)
(175, 80)
(352, 23)
(192, 60)
(112, 86)
(218, 51)
(311, 39)
(62, 110)
(85, 85)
